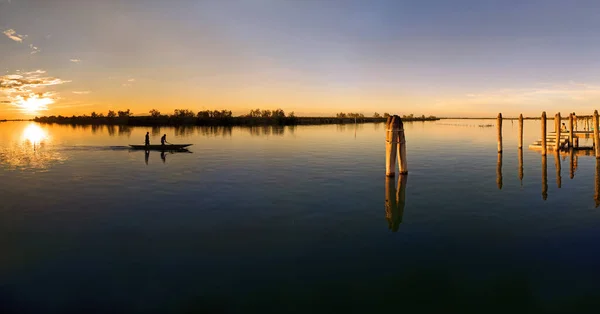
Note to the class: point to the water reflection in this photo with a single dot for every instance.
(499, 171)
(597, 185)
(111, 130)
(572, 163)
(31, 151)
(558, 168)
(395, 200)
(521, 166)
(146, 156)
(544, 177)
(163, 157)
(124, 130)
(266, 130)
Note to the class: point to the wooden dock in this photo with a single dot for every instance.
(564, 141)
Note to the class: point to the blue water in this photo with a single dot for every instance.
(292, 220)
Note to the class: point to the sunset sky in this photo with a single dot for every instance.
(313, 57)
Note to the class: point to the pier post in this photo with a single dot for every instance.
(391, 139)
(521, 165)
(543, 122)
(557, 131)
(499, 172)
(558, 168)
(596, 137)
(571, 131)
(402, 163)
(544, 177)
(521, 131)
(499, 132)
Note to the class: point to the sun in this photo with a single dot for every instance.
(33, 103)
(34, 134)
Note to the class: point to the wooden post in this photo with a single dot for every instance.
(499, 172)
(557, 130)
(391, 133)
(544, 177)
(571, 130)
(499, 120)
(558, 168)
(596, 137)
(543, 122)
(521, 131)
(521, 165)
(402, 163)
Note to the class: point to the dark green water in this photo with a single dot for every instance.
(293, 220)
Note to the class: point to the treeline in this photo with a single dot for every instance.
(376, 115)
(212, 117)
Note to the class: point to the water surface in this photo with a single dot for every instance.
(293, 220)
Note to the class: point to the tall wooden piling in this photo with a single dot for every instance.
(521, 131)
(596, 137)
(391, 139)
(402, 163)
(544, 177)
(558, 168)
(571, 130)
(543, 122)
(521, 165)
(499, 172)
(557, 131)
(499, 122)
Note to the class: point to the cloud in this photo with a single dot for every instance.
(76, 60)
(22, 90)
(34, 49)
(83, 92)
(131, 80)
(12, 34)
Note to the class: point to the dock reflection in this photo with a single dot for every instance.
(558, 168)
(395, 200)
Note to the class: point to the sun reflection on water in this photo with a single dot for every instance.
(33, 134)
(30, 151)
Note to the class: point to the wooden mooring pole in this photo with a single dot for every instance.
(521, 131)
(543, 122)
(596, 137)
(499, 122)
(391, 137)
(558, 168)
(557, 131)
(395, 146)
(571, 131)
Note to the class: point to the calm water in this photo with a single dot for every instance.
(292, 220)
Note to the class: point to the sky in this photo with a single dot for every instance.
(460, 58)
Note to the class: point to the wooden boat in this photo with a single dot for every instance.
(166, 147)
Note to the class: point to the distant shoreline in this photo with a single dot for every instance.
(229, 121)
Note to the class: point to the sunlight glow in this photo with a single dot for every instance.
(33, 103)
(34, 134)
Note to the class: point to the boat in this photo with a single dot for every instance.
(166, 147)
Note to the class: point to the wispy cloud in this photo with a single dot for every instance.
(34, 49)
(131, 80)
(12, 34)
(22, 90)
(76, 60)
(83, 92)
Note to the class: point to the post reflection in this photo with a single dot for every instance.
(521, 166)
(544, 177)
(571, 163)
(558, 168)
(597, 185)
(146, 156)
(499, 172)
(395, 200)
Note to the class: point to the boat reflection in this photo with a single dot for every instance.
(163, 154)
(395, 200)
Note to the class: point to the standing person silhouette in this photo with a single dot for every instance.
(163, 139)
(147, 138)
